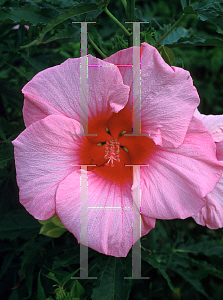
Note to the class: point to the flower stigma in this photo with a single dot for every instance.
(112, 149)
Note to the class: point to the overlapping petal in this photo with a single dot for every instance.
(109, 216)
(176, 179)
(58, 90)
(182, 165)
(168, 97)
(44, 155)
(211, 215)
(213, 123)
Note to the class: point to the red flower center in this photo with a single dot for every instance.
(111, 150)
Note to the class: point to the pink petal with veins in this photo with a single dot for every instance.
(57, 91)
(168, 97)
(109, 216)
(44, 155)
(176, 179)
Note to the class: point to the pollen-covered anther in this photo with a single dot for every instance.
(112, 149)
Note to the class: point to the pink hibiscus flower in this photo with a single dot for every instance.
(177, 151)
(211, 215)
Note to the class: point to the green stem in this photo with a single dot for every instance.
(124, 3)
(35, 42)
(116, 21)
(131, 18)
(96, 47)
(170, 30)
(131, 10)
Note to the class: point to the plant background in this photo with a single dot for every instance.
(182, 259)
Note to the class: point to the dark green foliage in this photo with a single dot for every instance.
(182, 259)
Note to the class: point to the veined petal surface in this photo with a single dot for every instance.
(219, 150)
(58, 90)
(44, 155)
(168, 97)
(211, 215)
(109, 216)
(176, 179)
(213, 123)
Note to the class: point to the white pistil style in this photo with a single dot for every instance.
(112, 150)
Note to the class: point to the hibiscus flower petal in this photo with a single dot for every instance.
(176, 179)
(44, 155)
(109, 214)
(57, 91)
(168, 97)
(211, 215)
(219, 151)
(213, 123)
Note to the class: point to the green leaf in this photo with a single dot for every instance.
(139, 15)
(34, 62)
(52, 227)
(66, 277)
(184, 3)
(40, 291)
(167, 54)
(56, 221)
(102, 3)
(111, 284)
(175, 35)
(69, 32)
(29, 269)
(210, 10)
(71, 256)
(77, 10)
(28, 15)
(8, 258)
(208, 268)
(188, 10)
(52, 276)
(18, 224)
(52, 230)
(191, 278)
(207, 247)
(22, 72)
(77, 289)
(61, 3)
(6, 154)
(197, 41)
(155, 264)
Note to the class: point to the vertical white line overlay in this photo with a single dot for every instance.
(136, 101)
(136, 96)
(83, 176)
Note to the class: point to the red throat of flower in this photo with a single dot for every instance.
(111, 151)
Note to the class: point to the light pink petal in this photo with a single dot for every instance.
(44, 154)
(168, 97)
(176, 179)
(57, 91)
(213, 123)
(211, 215)
(16, 27)
(109, 215)
(219, 150)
